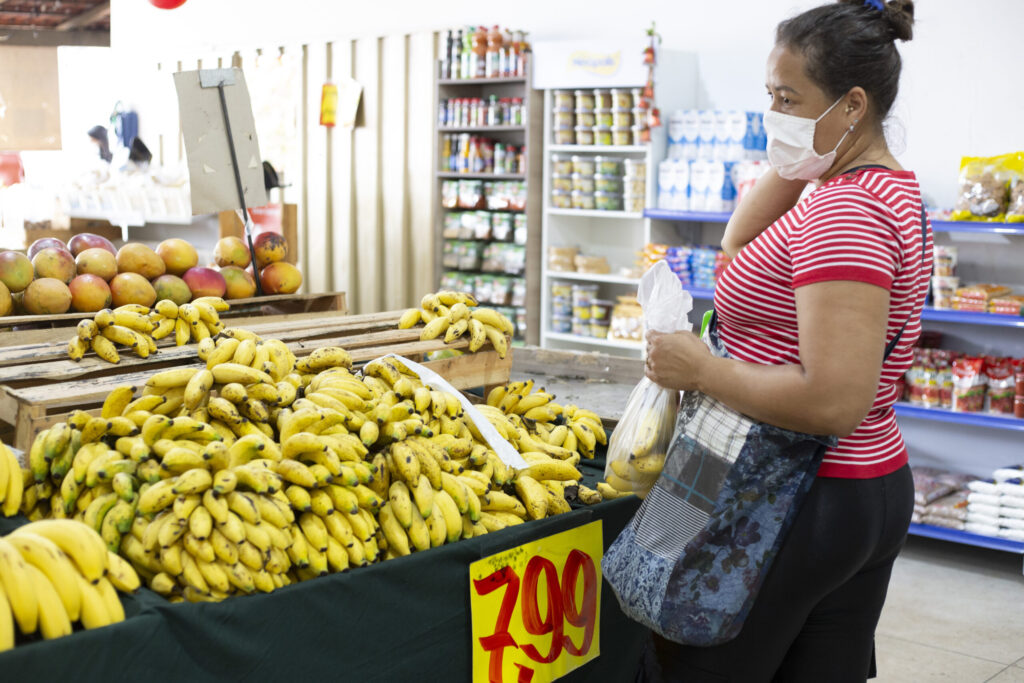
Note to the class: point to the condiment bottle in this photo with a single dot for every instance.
(478, 58)
(494, 42)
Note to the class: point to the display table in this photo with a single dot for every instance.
(403, 619)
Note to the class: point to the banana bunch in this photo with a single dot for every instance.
(138, 328)
(454, 314)
(637, 471)
(193, 322)
(11, 482)
(568, 428)
(57, 572)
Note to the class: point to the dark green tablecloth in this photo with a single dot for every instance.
(404, 619)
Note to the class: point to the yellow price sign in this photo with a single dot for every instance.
(536, 607)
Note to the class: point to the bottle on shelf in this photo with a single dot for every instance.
(505, 55)
(465, 51)
(493, 59)
(478, 56)
(454, 56)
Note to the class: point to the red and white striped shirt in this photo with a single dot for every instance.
(862, 227)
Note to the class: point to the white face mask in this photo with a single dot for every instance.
(791, 145)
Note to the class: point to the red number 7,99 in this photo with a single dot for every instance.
(561, 607)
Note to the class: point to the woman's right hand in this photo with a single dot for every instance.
(768, 201)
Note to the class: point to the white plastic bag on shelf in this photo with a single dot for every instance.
(637, 449)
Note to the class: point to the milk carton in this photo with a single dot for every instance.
(681, 198)
(699, 182)
(755, 140)
(737, 132)
(706, 135)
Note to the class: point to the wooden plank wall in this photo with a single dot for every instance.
(365, 195)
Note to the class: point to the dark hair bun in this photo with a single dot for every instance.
(898, 14)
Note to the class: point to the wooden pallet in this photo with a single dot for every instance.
(15, 327)
(40, 386)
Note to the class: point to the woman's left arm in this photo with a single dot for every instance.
(842, 329)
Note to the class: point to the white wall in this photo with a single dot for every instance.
(959, 95)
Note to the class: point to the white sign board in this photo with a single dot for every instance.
(589, 64)
(211, 175)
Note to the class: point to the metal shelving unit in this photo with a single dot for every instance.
(528, 136)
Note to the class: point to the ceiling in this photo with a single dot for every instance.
(55, 22)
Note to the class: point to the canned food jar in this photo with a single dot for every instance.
(608, 201)
(563, 99)
(580, 328)
(621, 99)
(608, 165)
(561, 181)
(585, 100)
(634, 203)
(638, 133)
(598, 330)
(601, 309)
(622, 117)
(602, 135)
(602, 99)
(561, 324)
(583, 200)
(603, 117)
(637, 96)
(607, 183)
(563, 119)
(635, 167)
(634, 185)
(584, 295)
(561, 289)
(561, 164)
(581, 312)
(561, 305)
(583, 182)
(584, 135)
(584, 118)
(622, 136)
(639, 116)
(561, 199)
(585, 165)
(565, 136)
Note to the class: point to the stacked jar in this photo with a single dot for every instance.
(583, 297)
(563, 118)
(599, 117)
(561, 307)
(634, 185)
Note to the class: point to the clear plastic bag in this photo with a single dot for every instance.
(639, 444)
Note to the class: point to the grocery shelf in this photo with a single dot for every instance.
(600, 149)
(977, 227)
(455, 175)
(966, 538)
(481, 81)
(945, 315)
(592, 277)
(593, 213)
(594, 341)
(688, 216)
(481, 129)
(984, 420)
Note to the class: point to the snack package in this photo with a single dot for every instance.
(1001, 385)
(1015, 209)
(969, 385)
(639, 444)
(985, 187)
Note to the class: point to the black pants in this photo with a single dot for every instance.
(815, 616)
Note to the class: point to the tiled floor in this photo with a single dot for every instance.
(953, 614)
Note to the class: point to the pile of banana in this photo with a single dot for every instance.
(54, 573)
(634, 467)
(261, 469)
(138, 328)
(454, 314)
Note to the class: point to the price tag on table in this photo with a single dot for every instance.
(536, 607)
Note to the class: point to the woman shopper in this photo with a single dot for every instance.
(819, 311)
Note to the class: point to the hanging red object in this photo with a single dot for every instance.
(167, 4)
(329, 105)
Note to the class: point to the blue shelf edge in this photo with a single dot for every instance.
(972, 419)
(683, 216)
(979, 227)
(699, 293)
(967, 538)
(946, 315)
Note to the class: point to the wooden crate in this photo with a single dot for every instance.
(40, 386)
(249, 308)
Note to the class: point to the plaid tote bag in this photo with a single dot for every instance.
(692, 560)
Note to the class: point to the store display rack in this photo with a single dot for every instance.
(527, 136)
